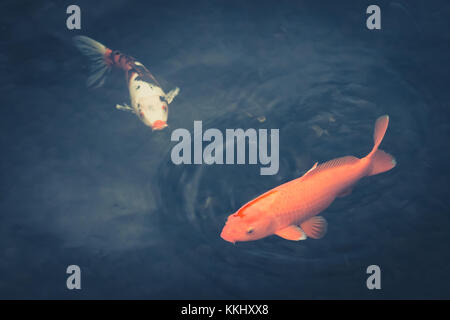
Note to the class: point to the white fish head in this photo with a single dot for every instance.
(149, 103)
(153, 111)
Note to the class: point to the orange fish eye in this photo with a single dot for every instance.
(250, 230)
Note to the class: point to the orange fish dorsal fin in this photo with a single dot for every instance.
(240, 212)
(338, 162)
(309, 171)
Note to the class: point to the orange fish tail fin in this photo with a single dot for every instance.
(378, 134)
(380, 161)
(96, 52)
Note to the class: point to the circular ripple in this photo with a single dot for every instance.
(328, 118)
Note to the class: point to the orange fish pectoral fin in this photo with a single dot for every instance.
(315, 227)
(292, 232)
(346, 192)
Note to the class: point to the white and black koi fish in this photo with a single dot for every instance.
(148, 100)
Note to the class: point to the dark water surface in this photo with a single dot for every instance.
(83, 183)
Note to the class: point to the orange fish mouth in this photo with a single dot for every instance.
(159, 125)
(227, 237)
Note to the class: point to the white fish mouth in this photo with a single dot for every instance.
(158, 125)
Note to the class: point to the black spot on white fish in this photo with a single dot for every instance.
(137, 88)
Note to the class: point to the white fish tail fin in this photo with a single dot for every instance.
(95, 51)
(380, 160)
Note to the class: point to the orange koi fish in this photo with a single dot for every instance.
(148, 100)
(290, 210)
